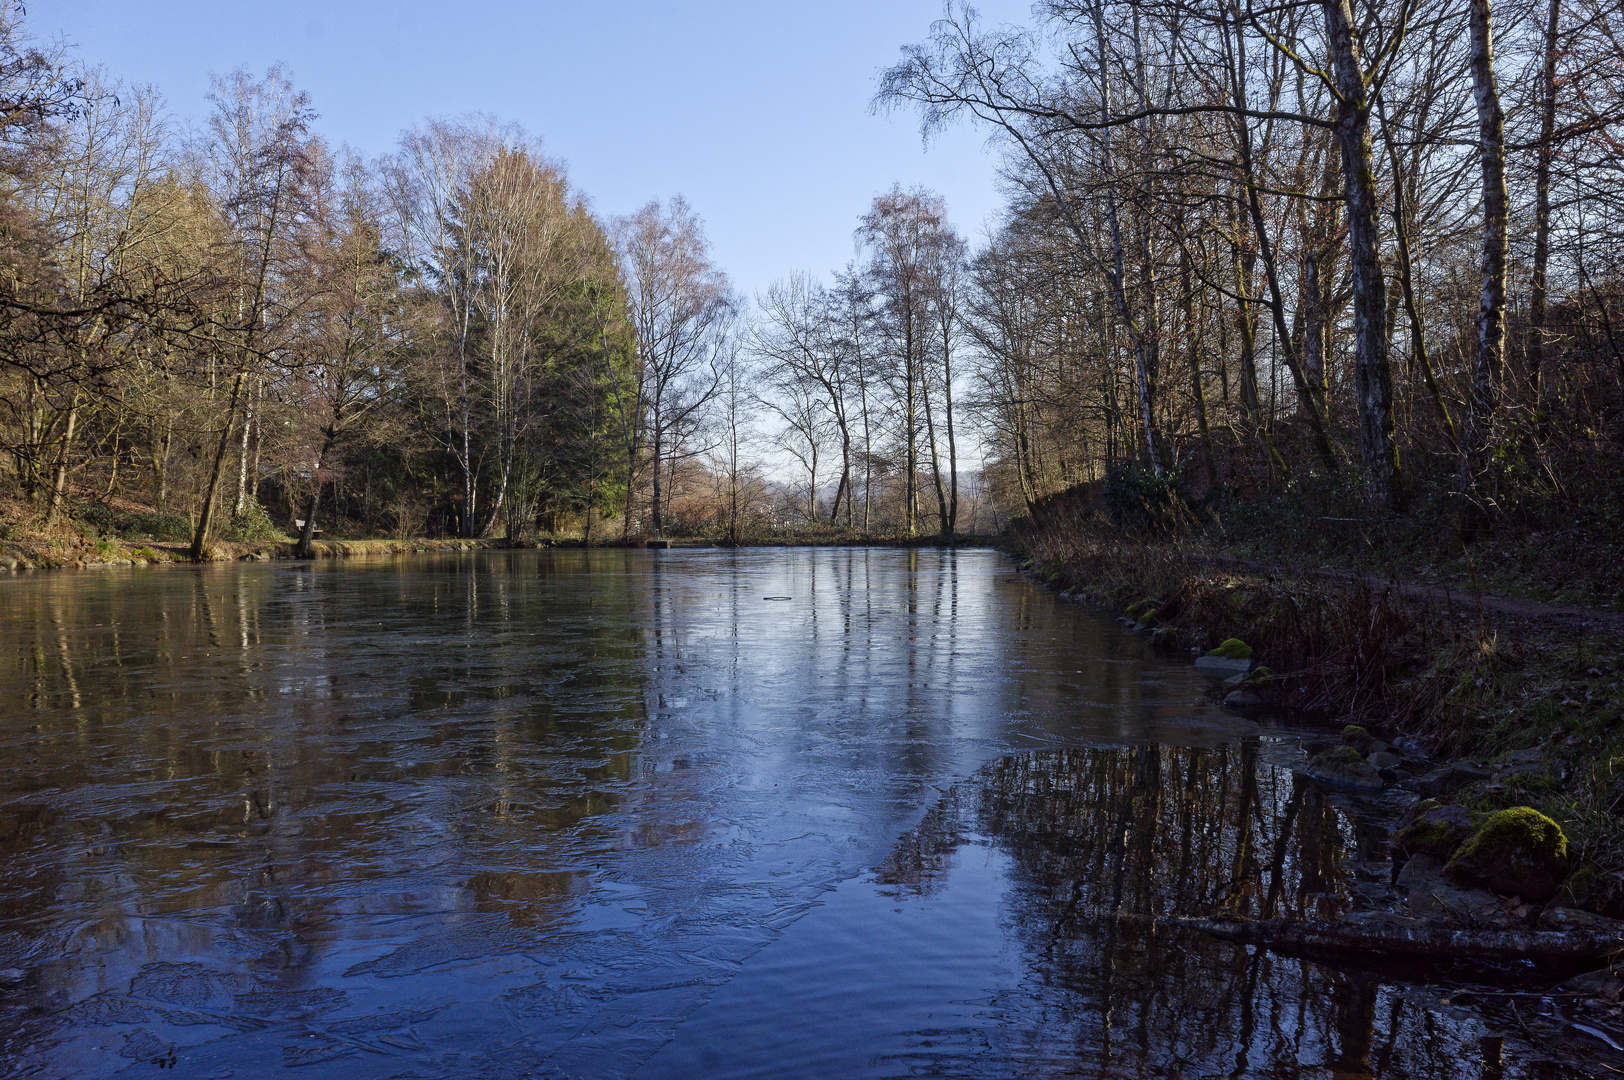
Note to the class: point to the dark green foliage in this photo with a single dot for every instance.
(252, 526)
(108, 521)
(1140, 500)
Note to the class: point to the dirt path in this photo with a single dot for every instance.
(1463, 602)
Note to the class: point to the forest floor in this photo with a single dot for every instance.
(1463, 596)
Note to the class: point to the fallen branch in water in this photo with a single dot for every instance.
(1398, 937)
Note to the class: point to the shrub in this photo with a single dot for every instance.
(252, 526)
(1138, 499)
(169, 528)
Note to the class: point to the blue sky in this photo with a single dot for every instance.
(756, 111)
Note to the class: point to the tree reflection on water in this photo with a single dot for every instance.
(1106, 840)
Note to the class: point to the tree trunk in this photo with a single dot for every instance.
(1538, 342)
(205, 515)
(239, 504)
(113, 471)
(1418, 337)
(1491, 316)
(952, 524)
(844, 487)
(59, 481)
(258, 443)
(1193, 337)
(935, 464)
(657, 446)
(160, 467)
(1142, 360)
(1246, 323)
(910, 419)
(1308, 399)
(1373, 378)
(307, 532)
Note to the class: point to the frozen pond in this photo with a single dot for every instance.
(695, 813)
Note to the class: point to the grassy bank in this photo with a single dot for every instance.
(1538, 703)
(103, 536)
(99, 534)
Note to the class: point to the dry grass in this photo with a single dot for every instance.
(1343, 649)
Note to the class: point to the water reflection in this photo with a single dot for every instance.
(1015, 932)
(527, 813)
(1106, 840)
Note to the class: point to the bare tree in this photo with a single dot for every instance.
(350, 353)
(258, 155)
(682, 312)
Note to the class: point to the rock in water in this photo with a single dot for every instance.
(1342, 767)
(1233, 657)
(1516, 852)
(1564, 918)
(1435, 830)
(1442, 781)
(1222, 667)
(1361, 740)
(1436, 899)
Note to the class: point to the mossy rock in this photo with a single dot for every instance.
(1259, 676)
(1516, 852)
(1136, 608)
(1580, 884)
(1361, 740)
(1343, 767)
(1150, 618)
(1437, 830)
(1232, 649)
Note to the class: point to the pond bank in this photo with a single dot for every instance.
(1471, 711)
(36, 553)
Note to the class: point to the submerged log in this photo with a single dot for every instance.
(1380, 934)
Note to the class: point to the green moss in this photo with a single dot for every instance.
(1343, 767)
(1425, 834)
(1150, 616)
(1438, 831)
(1135, 608)
(1353, 733)
(1233, 649)
(1579, 886)
(1259, 676)
(1517, 851)
(1519, 824)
